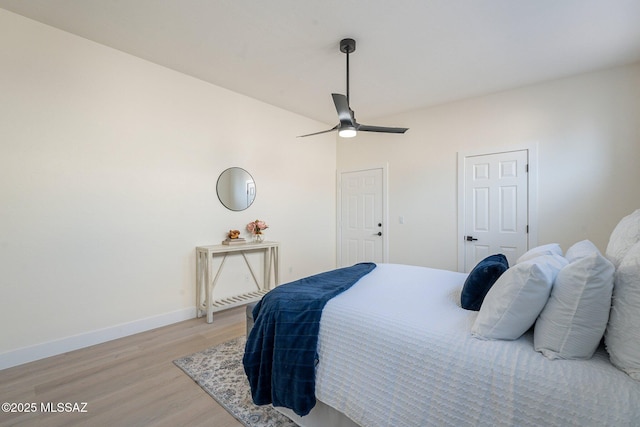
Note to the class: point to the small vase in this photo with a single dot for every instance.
(258, 238)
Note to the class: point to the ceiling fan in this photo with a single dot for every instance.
(348, 126)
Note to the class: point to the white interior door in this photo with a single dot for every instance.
(361, 221)
(495, 206)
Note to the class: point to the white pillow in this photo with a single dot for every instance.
(624, 236)
(548, 249)
(623, 331)
(580, 250)
(572, 323)
(515, 300)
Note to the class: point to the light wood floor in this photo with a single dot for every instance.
(126, 382)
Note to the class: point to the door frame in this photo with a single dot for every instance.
(385, 209)
(532, 190)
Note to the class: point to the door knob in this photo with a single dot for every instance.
(379, 233)
(470, 238)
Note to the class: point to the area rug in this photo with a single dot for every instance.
(218, 370)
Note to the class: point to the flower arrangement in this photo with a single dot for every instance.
(256, 227)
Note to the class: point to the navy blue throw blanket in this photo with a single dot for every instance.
(281, 351)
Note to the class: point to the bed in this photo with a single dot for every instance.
(397, 349)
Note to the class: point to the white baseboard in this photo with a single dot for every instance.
(63, 345)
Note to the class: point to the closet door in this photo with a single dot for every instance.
(495, 206)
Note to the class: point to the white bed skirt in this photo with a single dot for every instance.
(321, 415)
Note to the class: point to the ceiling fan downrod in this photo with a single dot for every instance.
(347, 46)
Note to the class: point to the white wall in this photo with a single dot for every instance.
(587, 129)
(108, 166)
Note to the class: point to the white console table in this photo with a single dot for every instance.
(206, 278)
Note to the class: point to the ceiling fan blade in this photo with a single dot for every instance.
(383, 129)
(318, 133)
(342, 107)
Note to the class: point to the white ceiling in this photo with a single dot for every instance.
(410, 53)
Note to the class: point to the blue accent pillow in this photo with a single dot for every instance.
(481, 279)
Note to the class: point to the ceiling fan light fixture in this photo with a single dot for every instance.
(347, 132)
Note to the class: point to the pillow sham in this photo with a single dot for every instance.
(622, 338)
(574, 319)
(481, 279)
(548, 249)
(624, 236)
(516, 299)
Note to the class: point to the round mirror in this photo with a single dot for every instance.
(236, 189)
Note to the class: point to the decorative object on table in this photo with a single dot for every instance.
(256, 228)
(233, 238)
(218, 370)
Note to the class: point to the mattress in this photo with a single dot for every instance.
(395, 350)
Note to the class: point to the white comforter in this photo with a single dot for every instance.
(395, 350)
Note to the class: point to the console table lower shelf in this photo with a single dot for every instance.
(236, 300)
(206, 280)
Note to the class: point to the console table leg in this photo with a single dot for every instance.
(276, 266)
(200, 284)
(266, 283)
